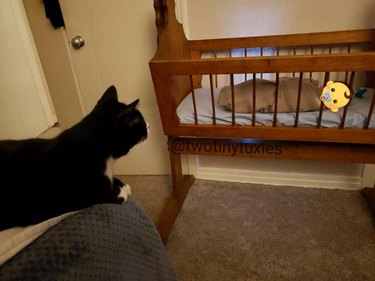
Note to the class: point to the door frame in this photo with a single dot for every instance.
(53, 49)
(33, 61)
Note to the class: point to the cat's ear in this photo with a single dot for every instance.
(110, 94)
(133, 104)
(128, 108)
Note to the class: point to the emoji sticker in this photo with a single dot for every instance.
(335, 95)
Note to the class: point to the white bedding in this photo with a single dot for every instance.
(355, 118)
(14, 239)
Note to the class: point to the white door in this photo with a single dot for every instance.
(25, 108)
(120, 40)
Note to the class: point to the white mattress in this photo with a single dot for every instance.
(355, 118)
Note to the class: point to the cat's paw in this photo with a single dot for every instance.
(125, 192)
(117, 182)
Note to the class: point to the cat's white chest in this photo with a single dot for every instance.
(109, 168)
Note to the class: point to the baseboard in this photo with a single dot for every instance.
(368, 175)
(278, 178)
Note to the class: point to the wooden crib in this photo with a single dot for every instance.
(188, 73)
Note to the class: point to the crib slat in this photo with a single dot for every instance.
(311, 53)
(233, 99)
(346, 107)
(347, 73)
(326, 79)
(245, 55)
(276, 100)
(216, 83)
(261, 54)
(254, 99)
(194, 101)
(212, 101)
(367, 124)
(298, 98)
(320, 115)
(294, 53)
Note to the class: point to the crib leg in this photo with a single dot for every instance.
(369, 194)
(180, 188)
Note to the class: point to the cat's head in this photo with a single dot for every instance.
(123, 124)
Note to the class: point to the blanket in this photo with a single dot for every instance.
(265, 96)
(103, 242)
(356, 117)
(14, 239)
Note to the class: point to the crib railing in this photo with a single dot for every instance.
(291, 40)
(169, 74)
(337, 42)
(276, 98)
(285, 45)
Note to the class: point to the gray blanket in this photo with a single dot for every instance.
(103, 242)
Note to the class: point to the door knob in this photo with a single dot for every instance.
(78, 42)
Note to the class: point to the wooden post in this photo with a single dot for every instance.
(369, 194)
(180, 187)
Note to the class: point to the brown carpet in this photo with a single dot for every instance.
(234, 231)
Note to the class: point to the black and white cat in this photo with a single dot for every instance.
(43, 178)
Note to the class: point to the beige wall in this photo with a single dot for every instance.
(234, 18)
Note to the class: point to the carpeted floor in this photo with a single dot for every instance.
(235, 231)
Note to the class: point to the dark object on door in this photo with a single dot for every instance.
(54, 13)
